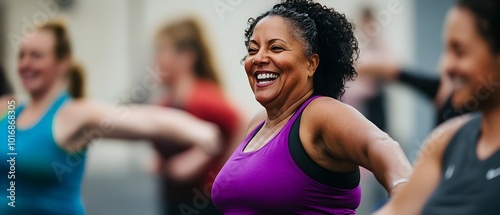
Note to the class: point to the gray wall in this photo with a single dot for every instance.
(429, 28)
(429, 20)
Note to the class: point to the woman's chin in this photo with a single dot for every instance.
(32, 88)
(263, 98)
(462, 101)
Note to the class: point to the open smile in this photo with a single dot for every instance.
(266, 78)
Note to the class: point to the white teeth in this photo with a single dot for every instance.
(263, 76)
(264, 82)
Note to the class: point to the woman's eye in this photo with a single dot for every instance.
(277, 48)
(252, 51)
(36, 55)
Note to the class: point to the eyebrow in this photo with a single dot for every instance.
(270, 41)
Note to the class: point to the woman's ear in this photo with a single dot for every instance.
(313, 62)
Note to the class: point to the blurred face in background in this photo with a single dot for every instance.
(38, 66)
(171, 61)
(469, 62)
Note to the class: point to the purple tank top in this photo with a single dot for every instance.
(268, 181)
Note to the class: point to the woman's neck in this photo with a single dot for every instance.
(180, 90)
(279, 114)
(40, 101)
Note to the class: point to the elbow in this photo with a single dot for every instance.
(380, 145)
(387, 152)
(385, 144)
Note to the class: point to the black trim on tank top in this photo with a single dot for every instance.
(315, 171)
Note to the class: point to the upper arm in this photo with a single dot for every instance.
(345, 132)
(427, 173)
(351, 140)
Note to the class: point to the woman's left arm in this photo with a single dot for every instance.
(348, 135)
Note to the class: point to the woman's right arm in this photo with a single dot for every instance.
(140, 122)
(426, 174)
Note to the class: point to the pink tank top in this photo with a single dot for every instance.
(268, 181)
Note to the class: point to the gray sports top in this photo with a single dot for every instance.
(468, 185)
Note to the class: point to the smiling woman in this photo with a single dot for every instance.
(302, 155)
(458, 171)
(55, 128)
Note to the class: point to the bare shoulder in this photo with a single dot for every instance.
(326, 108)
(256, 120)
(441, 136)
(327, 104)
(78, 111)
(81, 106)
(70, 120)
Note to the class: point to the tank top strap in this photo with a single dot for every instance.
(19, 109)
(302, 107)
(58, 103)
(63, 97)
(48, 117)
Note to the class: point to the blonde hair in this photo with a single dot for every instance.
(187, 34)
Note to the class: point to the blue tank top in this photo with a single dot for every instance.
(43, 178)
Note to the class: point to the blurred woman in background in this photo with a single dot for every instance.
(458, 171)
(437, 89)
(193, 84)
(365, 93)
(54, 129)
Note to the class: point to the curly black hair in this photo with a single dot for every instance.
(325, 32)
(487, 17)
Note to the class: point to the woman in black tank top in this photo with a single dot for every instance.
(458, 171)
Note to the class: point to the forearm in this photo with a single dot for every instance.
(153, 123)
(388, 163)
(426, 84)
(185, 128)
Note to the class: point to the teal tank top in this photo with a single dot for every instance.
(36, 175)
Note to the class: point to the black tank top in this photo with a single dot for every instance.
(468, 185)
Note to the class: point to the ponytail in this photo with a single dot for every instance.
(63, 51)
(77, 81)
